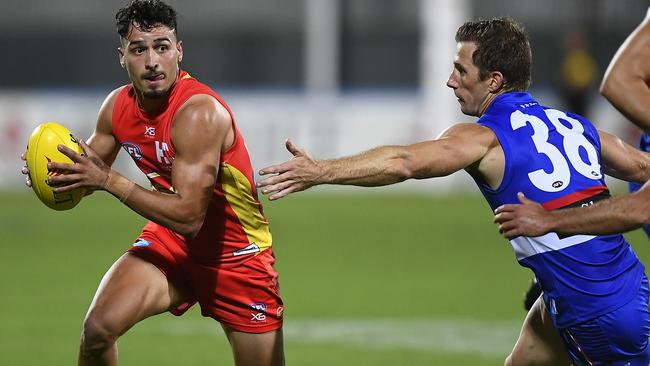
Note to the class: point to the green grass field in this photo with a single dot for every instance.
(371, 279)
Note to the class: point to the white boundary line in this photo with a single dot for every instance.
(423, 335)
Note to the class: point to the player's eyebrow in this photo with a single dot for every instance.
(459, 67)
(139, 42)
(162, 39)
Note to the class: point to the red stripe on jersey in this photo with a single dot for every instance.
(573, 197)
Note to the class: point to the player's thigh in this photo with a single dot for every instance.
(132, 289)
(539, 342)
(256, 349)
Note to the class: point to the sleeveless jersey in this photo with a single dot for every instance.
(553, 157)
(235, 224)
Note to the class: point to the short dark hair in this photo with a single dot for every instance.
(146, 14)
(501, 45)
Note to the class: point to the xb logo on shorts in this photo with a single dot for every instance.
(261, 315)
(133, 150)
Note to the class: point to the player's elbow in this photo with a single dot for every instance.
(189, 224)
(606, 88)
(403, 170)
(189, 230)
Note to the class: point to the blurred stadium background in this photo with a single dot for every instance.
(410, 275)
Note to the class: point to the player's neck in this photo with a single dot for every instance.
(154, 106)
(487, 102)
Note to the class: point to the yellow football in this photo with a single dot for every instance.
(42, 149)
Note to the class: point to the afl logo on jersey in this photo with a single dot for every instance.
(558, 184)
(133, 150)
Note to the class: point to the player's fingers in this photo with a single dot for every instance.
(512, 232)
(282, 176)
(69, 153)
(292, 148)
(28, 181)
(60, 167)
(57, 180)
(273, 169)
(275, 187)
(24, 170)
(284, 193)
(505, 208)
(523, 199)
(278, 187)
(66, 188)
(23, 156)
(86, 150)
(508, 229)
(503, 217)
(265, 182)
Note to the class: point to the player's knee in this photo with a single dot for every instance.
(97, 337)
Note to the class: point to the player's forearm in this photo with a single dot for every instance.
(616, 215)
(167, 210)
(377, 167)
(631, 98)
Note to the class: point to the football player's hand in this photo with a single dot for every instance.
(528, 218)
(297, 174)
(87, 171)
(25, 169)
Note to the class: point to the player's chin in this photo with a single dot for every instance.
(154, 93)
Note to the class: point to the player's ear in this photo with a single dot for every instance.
(120, 54)
(497, 81)
(179, 48)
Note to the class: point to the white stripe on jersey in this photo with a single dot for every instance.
(526, 246)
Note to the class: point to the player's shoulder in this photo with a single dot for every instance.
(106, 109)
(111, 98)
(202, 109)
(472, 133)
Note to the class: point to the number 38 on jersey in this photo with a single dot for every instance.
(578, 152)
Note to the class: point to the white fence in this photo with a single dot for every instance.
(326, 125)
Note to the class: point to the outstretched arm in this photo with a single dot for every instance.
(611, 216)
(200, 129)
(627, 80)
(457, 148)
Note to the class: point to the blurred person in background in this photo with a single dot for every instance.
(595, 305)
(579, 74)
(207, 240)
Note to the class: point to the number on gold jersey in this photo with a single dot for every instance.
(573, 140)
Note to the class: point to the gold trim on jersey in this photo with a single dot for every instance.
(238, 192)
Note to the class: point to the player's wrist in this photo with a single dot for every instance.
(118, 185)
(551, 222)
(327, 172)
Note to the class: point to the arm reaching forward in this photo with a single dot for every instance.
(461, 146)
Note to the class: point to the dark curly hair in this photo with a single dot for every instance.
(146, 14)
(501, 45)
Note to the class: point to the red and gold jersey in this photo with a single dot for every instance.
(235, 224)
